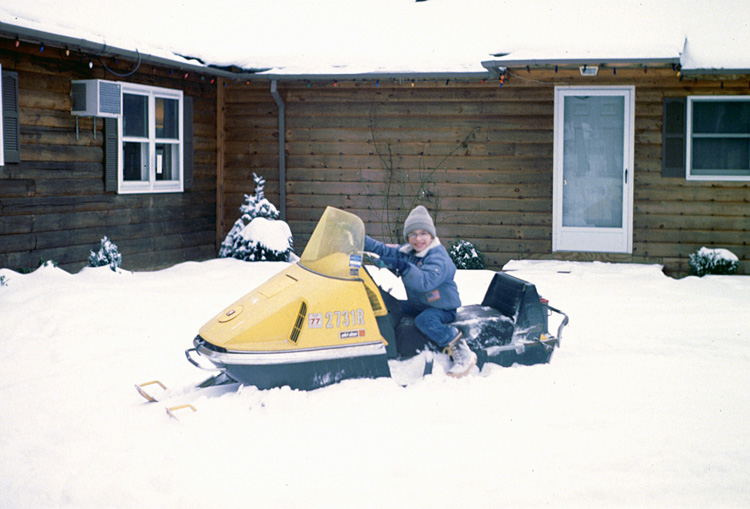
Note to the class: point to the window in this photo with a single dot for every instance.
(2, 117)
(718, 138)
(151, 140)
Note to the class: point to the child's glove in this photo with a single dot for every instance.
(395, 262)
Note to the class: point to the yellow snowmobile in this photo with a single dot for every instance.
(324, 319)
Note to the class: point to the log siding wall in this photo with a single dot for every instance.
(53, 205)
(483, 151)
(486, 154)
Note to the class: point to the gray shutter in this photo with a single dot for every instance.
(673, 137)
(11, 123)
(111, 153)
(187, 142)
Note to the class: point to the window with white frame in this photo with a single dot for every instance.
(718, 138)
(151, 140)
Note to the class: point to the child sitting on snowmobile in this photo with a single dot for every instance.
(432, 296)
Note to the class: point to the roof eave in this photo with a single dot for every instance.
(501, 63)
(492, 66)
(103, 50)
(407, 76)
(716, 72)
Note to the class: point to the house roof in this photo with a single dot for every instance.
(306, 38)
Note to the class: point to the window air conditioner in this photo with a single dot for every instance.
(96, 98)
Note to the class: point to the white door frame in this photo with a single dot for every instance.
(589, 239)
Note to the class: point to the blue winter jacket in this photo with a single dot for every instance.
(429, 279)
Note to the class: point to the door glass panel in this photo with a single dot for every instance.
(593, 149)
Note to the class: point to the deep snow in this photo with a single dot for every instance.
(644, 405)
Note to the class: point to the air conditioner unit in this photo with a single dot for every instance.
(96, 98)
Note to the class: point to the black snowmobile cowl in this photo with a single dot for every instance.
(323, 320)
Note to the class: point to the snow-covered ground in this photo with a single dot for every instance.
(644, 405)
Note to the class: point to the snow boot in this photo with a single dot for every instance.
(463, 358)
(448, 349)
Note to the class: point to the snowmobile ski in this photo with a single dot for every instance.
(176, 400)
(141, 388)
(171, 410)
(164, 394)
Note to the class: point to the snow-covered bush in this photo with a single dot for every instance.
(465, 255)
(713, 261)
(263, 240)
(258, 235)
(42, 263)
(108, 254)
(3, 281)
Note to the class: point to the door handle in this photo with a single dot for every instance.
(626, 175)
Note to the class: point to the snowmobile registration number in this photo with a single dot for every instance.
(336, 319)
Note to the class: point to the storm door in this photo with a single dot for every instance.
(593, 169)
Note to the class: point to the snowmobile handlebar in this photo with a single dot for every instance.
(369, 255)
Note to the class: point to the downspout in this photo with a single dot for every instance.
(282, 147)
(220, 166)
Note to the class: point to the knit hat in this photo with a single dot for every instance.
(419, 219)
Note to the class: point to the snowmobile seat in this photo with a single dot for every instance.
(510, 311)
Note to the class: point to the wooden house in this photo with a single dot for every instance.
(60, 191)
(507, 165)
(625, 160)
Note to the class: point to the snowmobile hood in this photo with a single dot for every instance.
(325, 300)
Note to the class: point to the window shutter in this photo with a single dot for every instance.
(187, 143)
(111, 151)
(11, 123)
(673, 137)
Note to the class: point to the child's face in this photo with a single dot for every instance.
(419, 240)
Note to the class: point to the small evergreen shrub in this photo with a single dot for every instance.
(3, 281)
(713, 261)
(465, 255)
(108, 254)
(258, 235)
(42, 263)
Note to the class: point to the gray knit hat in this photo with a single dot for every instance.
(419, 219)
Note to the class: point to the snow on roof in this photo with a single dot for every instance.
(306, 37)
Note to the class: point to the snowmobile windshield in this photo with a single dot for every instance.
(335, 247)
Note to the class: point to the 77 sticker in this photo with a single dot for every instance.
(315, 320)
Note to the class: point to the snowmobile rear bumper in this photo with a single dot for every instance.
(304, 369)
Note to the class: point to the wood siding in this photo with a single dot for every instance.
(478, 154)
(674, 217)
(53, 205)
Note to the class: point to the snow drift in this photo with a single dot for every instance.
(643, 405)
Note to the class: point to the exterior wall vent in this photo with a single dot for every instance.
(96, 98)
